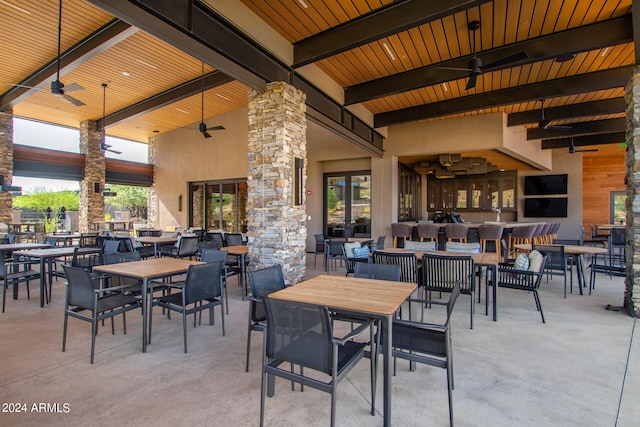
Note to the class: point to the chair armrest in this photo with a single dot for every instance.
(357, 331)
(420, 325)
(177, 285)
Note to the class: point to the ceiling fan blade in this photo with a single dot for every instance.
(455, 68)
(506, 60)
(72, 100)
(114, 151)
(472, 81)
(206, 134)
(558, 127)
(72, 87)
(216, 128)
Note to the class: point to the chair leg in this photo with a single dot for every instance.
(94, 331)
(535, 295)
(263, 392)
(184, 326)
(64, 331)
(246, 368)
(4, 294)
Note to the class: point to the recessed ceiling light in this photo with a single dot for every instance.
(222, 96)
(445, 87)
(183, 111)
(19, 9)
(391, 55)
(303, 4)
(146, 63)
(126, 73)
(565, 57)
(604, 52)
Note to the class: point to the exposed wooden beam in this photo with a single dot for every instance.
(594, 36)
(581, 141)
(599, 80)
(167, 97)
(378, 24)
(635, 10)
(584, 109)
(580, 129)
(100, 40)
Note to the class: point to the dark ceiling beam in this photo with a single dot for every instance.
(581, 141)
(599, 80)
(589, 37)
(635, 10)
(580, 129)
(584, 109)
(373, 26)
(167, 97)
(100, 40)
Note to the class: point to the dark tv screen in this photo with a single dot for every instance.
(546, 207)
(541, 185)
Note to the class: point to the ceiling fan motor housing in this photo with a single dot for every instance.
(56, 87)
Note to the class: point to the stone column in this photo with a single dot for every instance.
(276, 227)
(152, 197)
(91, 202)
(6, 166)
(632, 179)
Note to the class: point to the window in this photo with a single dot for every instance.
(347, 203)
(408, 193)
(218, 205)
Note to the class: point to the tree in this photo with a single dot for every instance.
(134, 199)
(49, 204)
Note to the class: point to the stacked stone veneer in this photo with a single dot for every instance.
(6, 165)
(277, 134)
(632, 262)
(91, 203)
(152, 196)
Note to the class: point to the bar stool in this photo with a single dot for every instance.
(538, 237)
(493, 233)
(456, 232)
(520, 235)
(428, 232)
(401, 230)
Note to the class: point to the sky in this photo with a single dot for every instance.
(44, 135)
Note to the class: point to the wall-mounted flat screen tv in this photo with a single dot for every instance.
(546, 207)
(542, 185)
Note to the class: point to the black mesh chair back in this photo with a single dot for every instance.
(617, 246)
(51, 241)
(263, 282)
(85, 301)
(557, 263)
(111, 246)
(216, 255)
(319, 249)
(89, 240)
(234, 239)
(118, 257)
(380, 243)
(188, 246)
(144, 232)
(377, 271)
(335, 249)
(9, 238)
(202, 290)
(301, 334)
(216, 239)
(10, 276)
(406, 261)
(86, 261)
(443, 273)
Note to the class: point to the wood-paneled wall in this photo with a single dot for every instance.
(602, 173)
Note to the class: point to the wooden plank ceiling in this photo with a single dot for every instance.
(402, 60)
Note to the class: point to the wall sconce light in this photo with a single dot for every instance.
(15, 190)
(104, 192)
(298, 165)
(180, 203)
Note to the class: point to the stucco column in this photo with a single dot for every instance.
(91, 202)
(6, 166)
(276, 225)
(632, 179)
(152, 196)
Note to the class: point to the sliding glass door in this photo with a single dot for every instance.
(347, 204)
(218, 205)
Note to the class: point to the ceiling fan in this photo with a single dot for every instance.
(57, 87)
(475, 64)
(202, 127)
(545, 124)
(103, 144)
(573, 149)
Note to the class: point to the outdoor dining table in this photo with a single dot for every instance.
(67, 239)
(371, 298)
(47, 254)
(155, 241)
(240, 251)
(146, 270)
(576, 251)
(489, 260)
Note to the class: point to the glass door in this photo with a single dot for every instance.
(347, 204)
(618, 208)
(218, 205)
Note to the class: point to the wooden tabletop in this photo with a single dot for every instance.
(359, 239)
(479, 258)
(379, 297)
(610, 226)
(236, 250)
(10, 247)
(57, 252)
(569, 249)
(148, 268)
(158, 239)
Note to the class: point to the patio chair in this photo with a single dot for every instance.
(558, 264)
(263, 282)
(427, 343)
(524, 279)
(443, 273)
(354, 253)
(86, 301)
(319, 250)
(10, 274)
(215, 255)
(335, 251)
(301, 334)
(377, 271)
(185, 247)
(216, 239)
(233, 239)
(201, 290)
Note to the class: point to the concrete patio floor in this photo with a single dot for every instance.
(514, 372)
